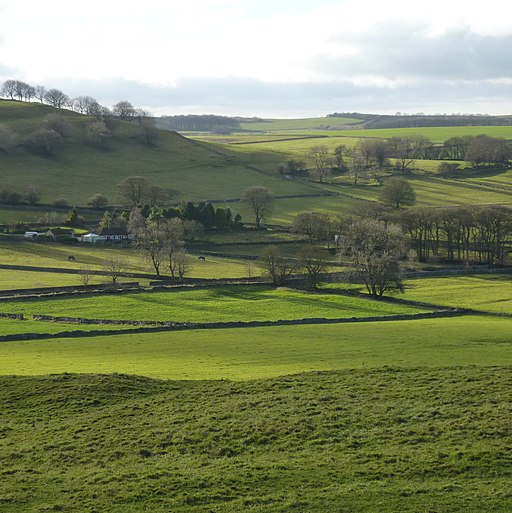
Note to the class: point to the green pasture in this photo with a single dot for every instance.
(487, 292)
(492, 177)
(219, 304)
(49, 254)
(12, 280)
(250, 353)
(435, 192)
(286, 209)
(28, 325)
(297, 148)
(277, 125)
(93, 257)
(436, 134)
(387, 440)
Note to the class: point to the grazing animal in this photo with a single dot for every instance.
(71, 258)
(202, 258)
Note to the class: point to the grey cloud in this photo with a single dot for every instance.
(252, 97)
(397, 50)
(234, 96)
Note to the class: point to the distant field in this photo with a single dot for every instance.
(489, 293)
(436, 192)
(251, 353)
(208, 305)
(436, 134)
(273, 125)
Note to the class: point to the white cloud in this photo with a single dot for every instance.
(371, 44)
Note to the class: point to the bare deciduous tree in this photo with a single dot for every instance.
(312, 261)
(114, 267)
(376, 249)
(56, 98)
(275, 265)
(98, 132)
(260, 200)
(98, 201)
(321, 161)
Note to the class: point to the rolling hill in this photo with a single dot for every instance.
(188, 170)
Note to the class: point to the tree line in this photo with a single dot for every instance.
(423, 120)
(371, 156)
(49, 137)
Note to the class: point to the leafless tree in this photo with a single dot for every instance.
(260, 200)
(321, 161)
(313, 225)
(56, 98)
(40, 93)
(43, 141)
(133, 190)
(9, 89)
(313, 262)
(32, 195)
(58, 123)
(114, 267)
(98, 132)
(124, 111)
(98, 201)
(148, 132)
(376, 249)
(275, 265)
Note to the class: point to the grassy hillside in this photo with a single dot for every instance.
(375, 441)
(186, 169)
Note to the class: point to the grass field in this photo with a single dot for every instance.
(278, 125)
(488, 293)
(94, 257)
(14, 327)
(419, 440)
(208, 305)
(12, 280)
(253, 353)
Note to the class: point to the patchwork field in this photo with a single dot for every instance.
(382, 416)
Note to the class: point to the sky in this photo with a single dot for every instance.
(266, 58)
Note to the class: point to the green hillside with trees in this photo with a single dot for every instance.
(71, 156)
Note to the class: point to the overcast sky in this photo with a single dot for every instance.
(266, 57)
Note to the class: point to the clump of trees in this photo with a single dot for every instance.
(206, 215)
(162, 242)
(376, 249)
(463, 233)
(31, 195)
